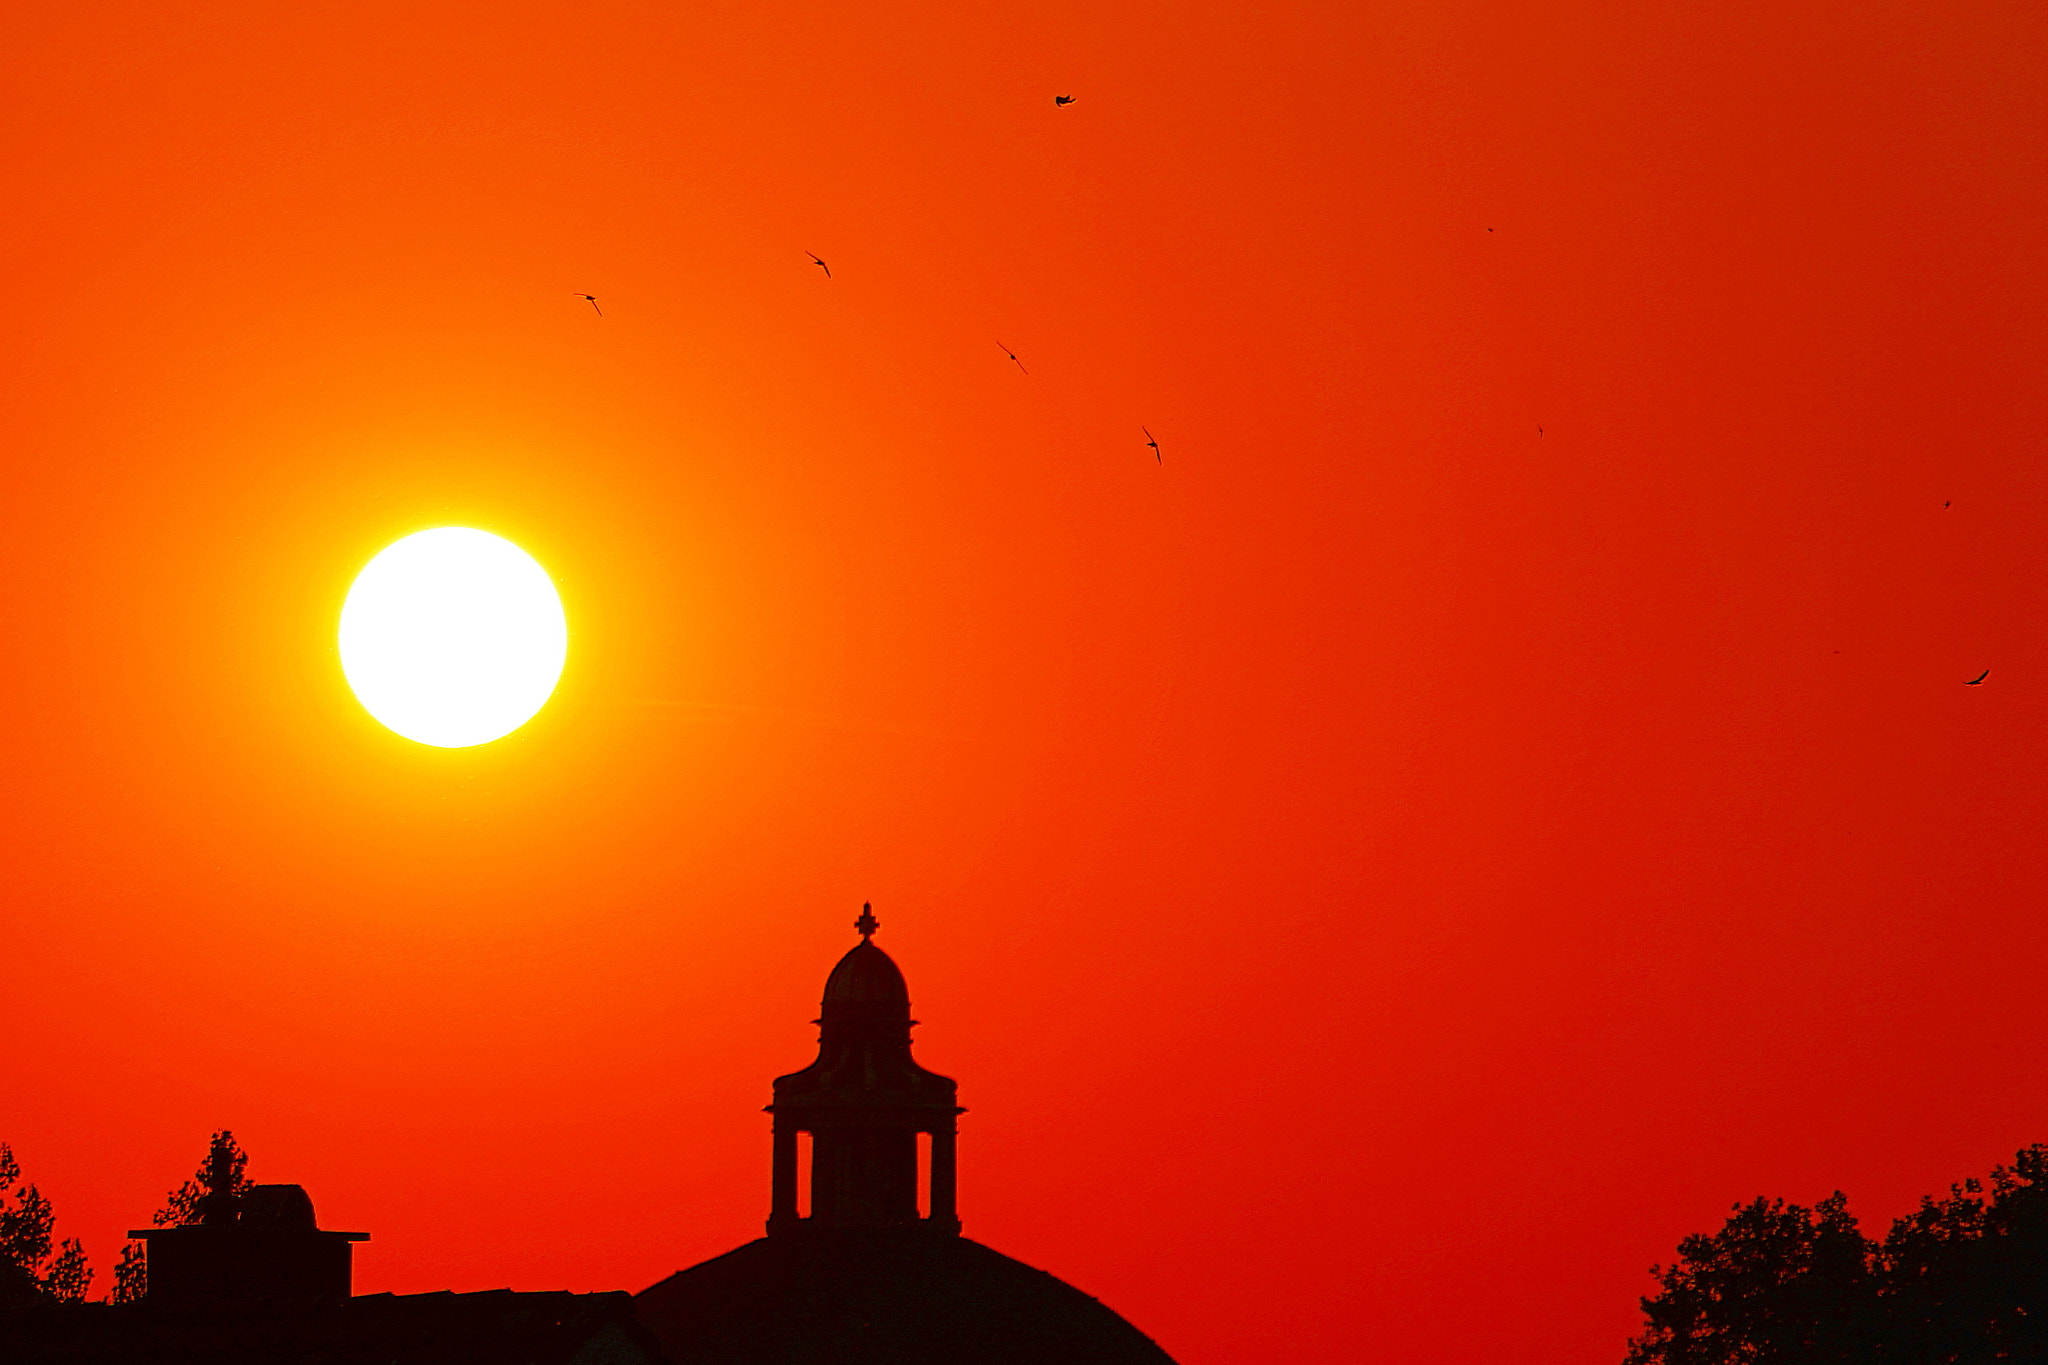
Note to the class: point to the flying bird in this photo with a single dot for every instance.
(1979, 678)
(1153, 441)
(593, 302)
(1944, 507)
(1059, 101)
(821, 264)
(1013, 355)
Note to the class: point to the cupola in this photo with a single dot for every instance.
(864, 1102)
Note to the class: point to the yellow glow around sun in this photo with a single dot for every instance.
(453, 637)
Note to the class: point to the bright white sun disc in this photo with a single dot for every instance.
(453, 637)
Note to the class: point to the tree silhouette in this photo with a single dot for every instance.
(1966, 1279)
(1960, 1281)
(131, 1274)
(1777, 1283)
(30, 1267)
(221, 1178)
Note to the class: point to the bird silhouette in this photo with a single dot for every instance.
(1013, 355)
(821, 264)
(1059, 101)
(1979, 678)
(1944, 507)
(1153, 441)
(1539, 431)
(593, 302)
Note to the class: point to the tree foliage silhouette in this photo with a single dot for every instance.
(1960, 1281)
(223, 1174)
(31, 1267)
(1777, 1283)
(1966, 1276)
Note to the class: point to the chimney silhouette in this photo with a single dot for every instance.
(864, 1102)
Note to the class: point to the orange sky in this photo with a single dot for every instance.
(1380, 875)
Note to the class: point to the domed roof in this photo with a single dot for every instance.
(278, 1206)
(864, 1064)
(866, 976)
(877, 1299)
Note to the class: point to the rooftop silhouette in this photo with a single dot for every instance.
(864, 1276)
(242, 1274)
(862, 1263)
(262, 1244)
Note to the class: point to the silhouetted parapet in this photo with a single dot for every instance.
(495, 1327)
(257, 1247)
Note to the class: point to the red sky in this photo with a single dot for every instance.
(1380, 876)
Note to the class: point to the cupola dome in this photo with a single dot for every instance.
(866, 976)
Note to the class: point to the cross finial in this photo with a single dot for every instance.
(867, 923)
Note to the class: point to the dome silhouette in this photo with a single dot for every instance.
(864, 1277)
(873, 1299)
(866, 976)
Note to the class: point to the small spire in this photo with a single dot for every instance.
(867, 923)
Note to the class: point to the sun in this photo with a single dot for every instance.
(453, 637)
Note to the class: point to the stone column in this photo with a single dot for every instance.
(782, 1182)
(945, 1176)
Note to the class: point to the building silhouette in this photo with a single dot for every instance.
(254, 1280)
(864, 1278)
(864, 1102)
(863, 1262)
(261, 1246)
